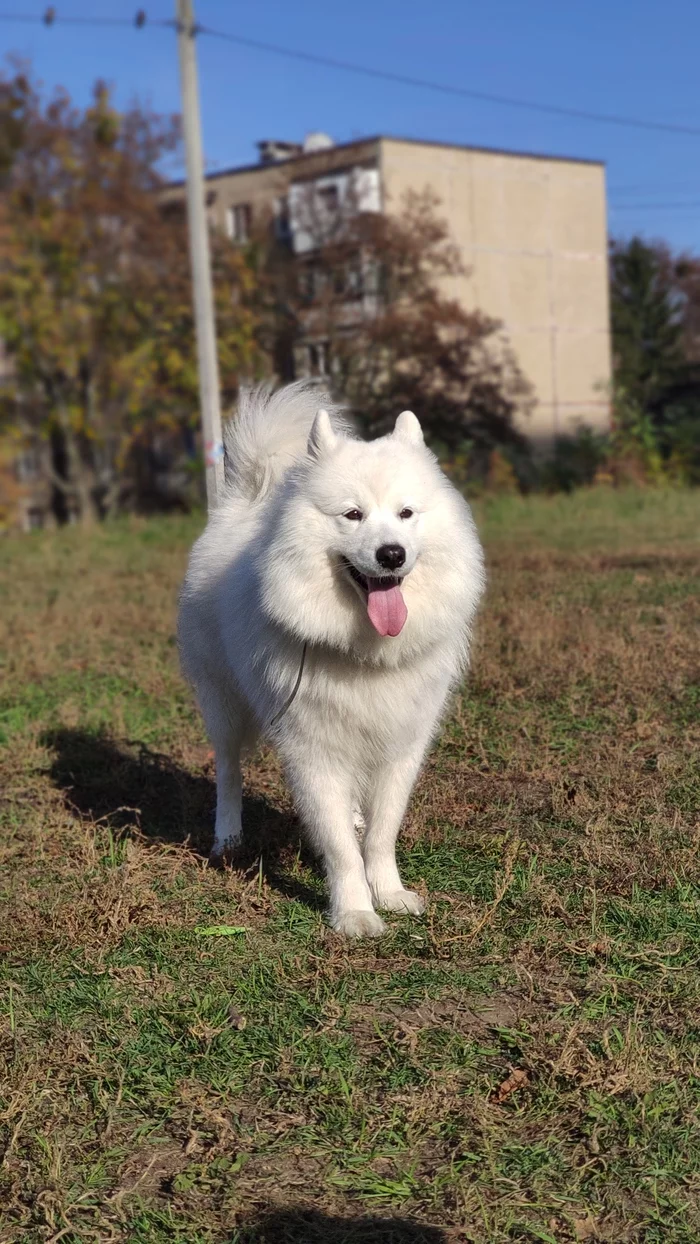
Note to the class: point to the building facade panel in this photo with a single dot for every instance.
(532, 231)
(581, 356)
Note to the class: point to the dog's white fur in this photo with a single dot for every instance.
(268, 575)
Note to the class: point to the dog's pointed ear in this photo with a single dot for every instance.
(322, 438)
(408, 428)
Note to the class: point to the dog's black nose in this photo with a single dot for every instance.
(391, 556)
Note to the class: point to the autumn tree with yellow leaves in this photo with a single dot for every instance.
(95, 294)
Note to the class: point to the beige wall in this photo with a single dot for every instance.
(533, 235)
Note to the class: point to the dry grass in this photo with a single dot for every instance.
(522, 1064)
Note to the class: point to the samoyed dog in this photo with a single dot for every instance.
(328, 607)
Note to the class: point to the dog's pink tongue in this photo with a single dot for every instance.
(386, 607)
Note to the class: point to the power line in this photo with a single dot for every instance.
(653, 207)
(51, 18)
(656, 187)
(445, 89)
(386, 75)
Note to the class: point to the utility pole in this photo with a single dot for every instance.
(203, 297)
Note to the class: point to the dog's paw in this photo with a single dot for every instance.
(223, 853)
(406, 901)
(358, 924)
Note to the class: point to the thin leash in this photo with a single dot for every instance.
(288, 702)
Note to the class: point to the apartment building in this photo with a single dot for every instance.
(531, 229)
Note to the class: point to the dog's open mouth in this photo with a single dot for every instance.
(386, 607)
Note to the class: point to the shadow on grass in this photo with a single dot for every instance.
(127, 787)
(312, 1227)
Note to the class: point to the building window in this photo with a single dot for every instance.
(307, 282)
(372, 278)
(347, 279)
(313, 282)
(174, 209)
(238, 222)
(283, 226)
(329, 198)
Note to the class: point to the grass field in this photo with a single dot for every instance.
(523, 1064)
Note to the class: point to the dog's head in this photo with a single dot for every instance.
(373, 498)
(372, 541)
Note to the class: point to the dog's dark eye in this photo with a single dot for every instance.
(354, 515)
(406, 513)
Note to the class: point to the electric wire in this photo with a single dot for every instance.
(52, 18)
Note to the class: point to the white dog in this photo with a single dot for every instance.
(328, 607)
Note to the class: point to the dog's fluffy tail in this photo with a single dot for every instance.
(270, 432)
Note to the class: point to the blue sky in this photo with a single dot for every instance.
(633, 58)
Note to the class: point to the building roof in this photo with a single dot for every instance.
(417, 142)
(504, 151)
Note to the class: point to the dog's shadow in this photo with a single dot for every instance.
(300, 1226)
(133, 786)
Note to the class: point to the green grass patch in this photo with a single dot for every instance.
(520, 1064)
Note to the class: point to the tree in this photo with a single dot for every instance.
(647, 320)
(16, 96)
(655, 305)
(366, 300)
(95, 302)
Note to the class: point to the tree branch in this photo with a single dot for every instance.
(68, 490)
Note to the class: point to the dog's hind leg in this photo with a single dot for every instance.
(229, 796)
(227, 726)
(387, 804)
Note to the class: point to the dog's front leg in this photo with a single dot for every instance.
(324, 799)
(392, 788)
